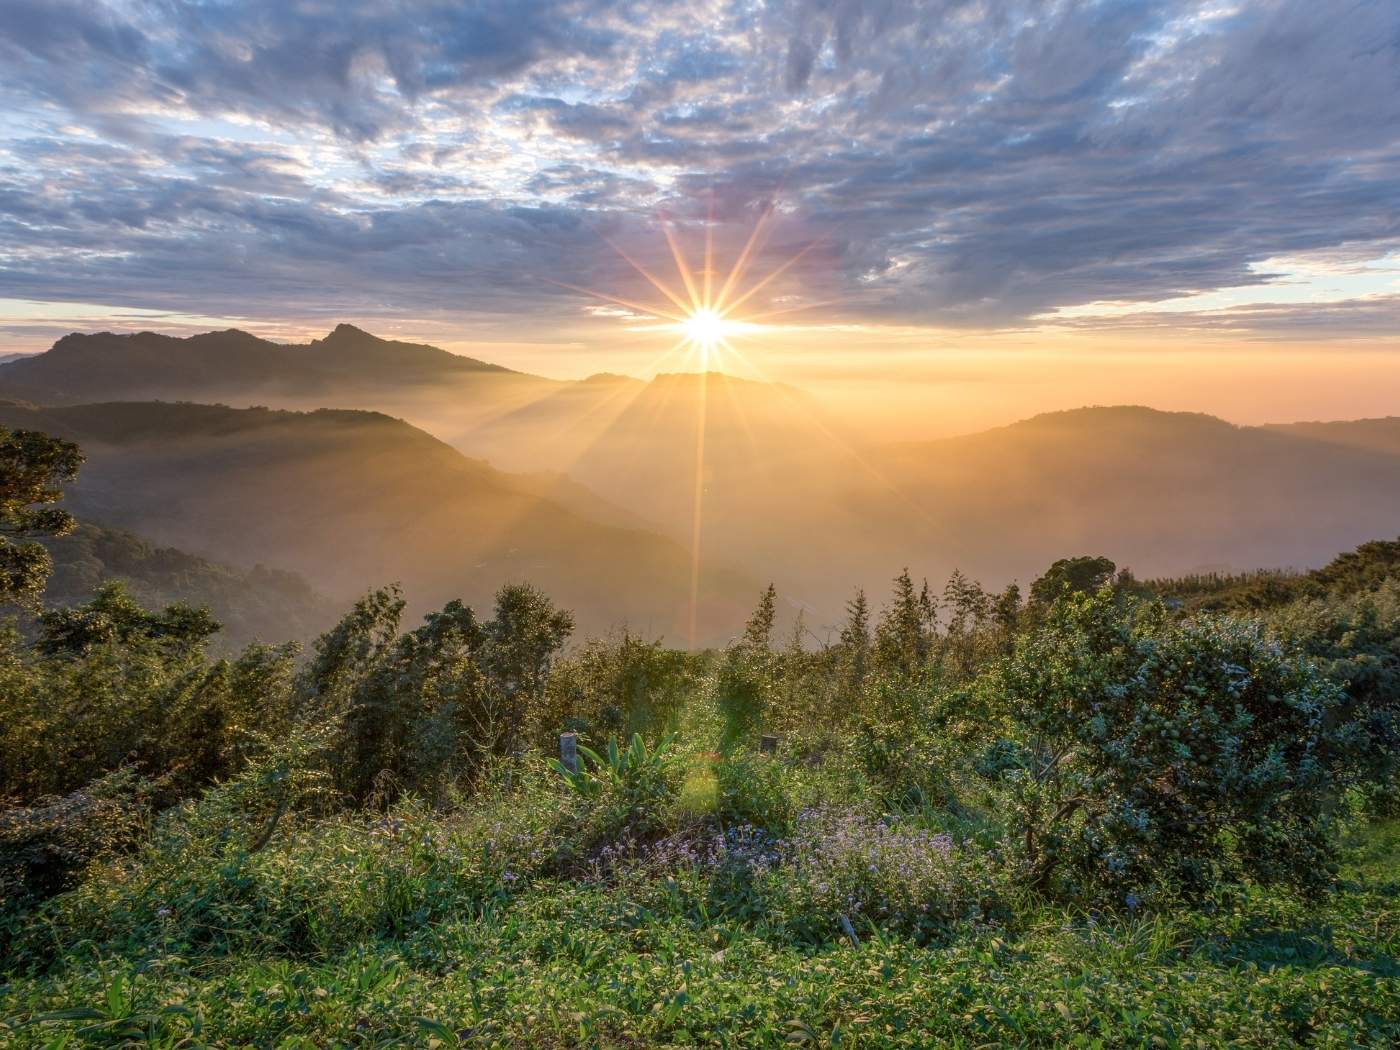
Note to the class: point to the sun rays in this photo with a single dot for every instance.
(703, 312)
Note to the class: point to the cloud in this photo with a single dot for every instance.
(957, 162)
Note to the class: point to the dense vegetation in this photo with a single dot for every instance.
(1086, 816)
(260, 602)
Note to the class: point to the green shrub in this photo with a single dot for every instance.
(46, 847)
(1356, 642)
(417, 711)
(109, 685)
(616, 687)
(755, 789)
(624, 797)
(1165, 751)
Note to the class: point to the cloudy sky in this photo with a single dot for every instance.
(1122, 178)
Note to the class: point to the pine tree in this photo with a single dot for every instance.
(904, 638)
(758, 632)
(855, 642)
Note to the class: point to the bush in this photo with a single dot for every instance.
(615, 687)
(46, 847)
(1356, 642)
(624, 796)
(1158, 750)
(755, 790)
(420, 710)
(109, 684)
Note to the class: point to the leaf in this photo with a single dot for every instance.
(76, 1013)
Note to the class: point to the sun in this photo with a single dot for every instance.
(707, 310)
(705, 329)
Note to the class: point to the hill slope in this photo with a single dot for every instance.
(1377, 435)
(784, 488)
(781, 486)
(356, 499)
(1165, 492)
(269, 604)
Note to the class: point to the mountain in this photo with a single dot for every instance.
(779, 485)
(260, 603)
(1164, 492)
(344, 367)
(1377, 435)
(786, 489)
(356, 499)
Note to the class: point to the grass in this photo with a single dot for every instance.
(463, 928)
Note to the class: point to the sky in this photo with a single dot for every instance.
(974, 209)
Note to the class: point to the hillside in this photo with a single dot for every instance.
(355, 499)
(1163, 492)
(1377, 435)
(259, 603)
(782, 485)
(785, 488)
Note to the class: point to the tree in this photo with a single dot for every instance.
(32, 467)
(414, 710)
(416, 714)
(746, 676)
(521, 642)
(904, 638)
(112, 616)
(855, 643)
(758, 631)
(1082, 575)
(968, 606)
(1006, 611)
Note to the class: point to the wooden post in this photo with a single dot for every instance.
(568, 751)
(768, 743)
(849, 930)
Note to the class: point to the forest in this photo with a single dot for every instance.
(1105, 811)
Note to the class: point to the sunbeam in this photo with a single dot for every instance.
(705, 316)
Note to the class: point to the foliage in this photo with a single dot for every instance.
(416, 710)
(46, 847)
(616, 686)
(32, 467)
(747, 674)
(109, 685)
(1166, 751)
(112, 617)
(637, 772)
(259, 603)
(1355, 641)
(363, 848)
(907, 630)
(1363, 570)
(1082, 575)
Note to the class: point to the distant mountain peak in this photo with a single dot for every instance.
(349, 331)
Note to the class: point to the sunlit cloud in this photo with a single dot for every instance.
(966, 167)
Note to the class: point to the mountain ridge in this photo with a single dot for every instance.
(231, 363)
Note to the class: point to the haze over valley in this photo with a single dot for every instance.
(589, 487)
